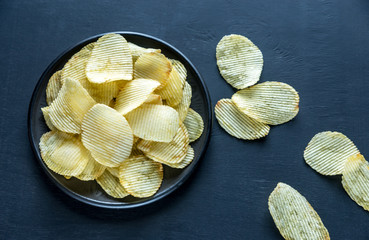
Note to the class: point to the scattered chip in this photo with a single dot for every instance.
(110, 60)
(68, 109)
(140, 176)
(154, 122)
(194, 124)
(63, 153)
(355, 180)
(45, 112)
(172, 93)
(269, 102)
(107, 135)
(92, 170)
(294, 216)
(111, 185)
(53, 87)
(154, 99)
(136, 50)
(237, 123)
(240, 62)
(184, 105)
(186, 161)
(134, 94)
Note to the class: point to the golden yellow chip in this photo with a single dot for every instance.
(107, 135)
(113, 171)
(355, 180)
(172, 93)
(111, 185)
(140, 176)
(154, 122)
(269, 102)
(194, 124)
(167, 153)
(186, 161)
(136, 50)
(45, 112)
(154, 99)
(238, 124)
(240, 62)
(184, 105)
(110, 60)
(53, 87)
(63, 153)
(181, 69)
(294, 216)
(92, 170)
(327, 152)
(134, 94)
(68, 109)
(153, 66)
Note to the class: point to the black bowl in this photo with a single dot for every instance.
(90, 192)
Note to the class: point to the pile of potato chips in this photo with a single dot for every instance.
(250, 111)
(117, 112)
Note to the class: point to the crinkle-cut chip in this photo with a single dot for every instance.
(172, 93)
(355, 180)
(153, 66)
(194, 124)
(92, 170)
(136, 50)
(134, 94)
(140, 176)
(327, 152)
(181, 69)
(167, 153)
(186, 161)
(63, 153)
(184, 105)
(110, 60)
(294, 216)
(111, 185)
(240, 62)
(113, 171)
(154, 99)
(107, 135)
(269, 102)
(154, 122)
(89, 46)
(45, 112)
(238, 124)
(68, 109)
(53, 87)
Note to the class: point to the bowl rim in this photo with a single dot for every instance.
(90, 201)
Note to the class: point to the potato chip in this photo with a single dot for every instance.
(172, 93)
(153, 66)
(184, 105)
(238, 124)
(154, 99)
(327, 152)
(92, 170)
(110, 60)
(114, 171)
(154, 122)
(269, 102)
(111, 185)
(186, 161)
(194, 124)
(136, 50)
(68, 109)
(294, 216)
(45, 112)
(107, 135)
(53, 87)
(140, 176)
(240, 62)
(355, 180)
(167, 153)
(63, 153)
(134, 94)
(181, 69)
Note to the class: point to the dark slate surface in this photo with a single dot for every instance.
(318, 47)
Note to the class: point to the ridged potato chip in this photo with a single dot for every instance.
(111, 185)
(181, 69)
(63, 153)
(240, 62)
(113, 171)
(110, 60)
(153, 66)
(154, 122)
(327, 152)
(154, 99)
(140, 176)
(355, 180)
(194, 125)
(107, 135)
(53, 87)
(167, 153)
(172, 92)
(45, 112)
(184, 105)
(134, 94)
(269, 102)
(294, 216)
(92, 170)
(68, 109)
(186, 161)
(237, 123)
(136, 50)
